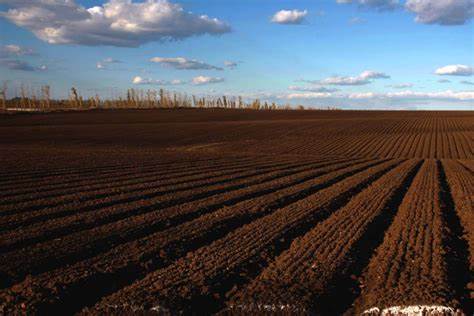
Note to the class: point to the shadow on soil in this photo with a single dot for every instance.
(457, 257)
(339, 299)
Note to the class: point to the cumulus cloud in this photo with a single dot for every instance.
(183, 63)
(444, 81)
(12, 50)
(202, 80)
(455, 70)
(318, 89)
(147, 81)
(115, 23)
(17, 65)
(308, 95)
(401, 85)
(364, 78)
(402, 95)
(448, 94)
(443, 12)
(110, 60)
(369, 74)
(381, 5)
(442, 95)
(103, 64)
(289, 16)
(231, 64)
(361, 95)
(10, 53)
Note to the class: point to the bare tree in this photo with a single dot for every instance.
(3, 94)
(45, 91)
(74, 98)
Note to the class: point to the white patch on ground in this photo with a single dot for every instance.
(159, 309)
(266, 307)
(413, 310)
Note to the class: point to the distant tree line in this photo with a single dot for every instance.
(40, 100)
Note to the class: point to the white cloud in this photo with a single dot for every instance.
(17, 65)
(444, 81)
(361, 95)
(408, 94)
(448, 94)
(369, 74)
(183, 63)
(380, 5)
(444, 12)
(362, 79)
(116, 22)
(202, 80)
(455, 70)
(400, 96)
(289, 16)
(103, 64)
(147, 81)
(345, 81)
(312, 89)
(401, 85)
(15, 50)
(308, 95)
(231, 64)
(110, 60)
(140, 80)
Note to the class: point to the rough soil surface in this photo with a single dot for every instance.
(237, 211)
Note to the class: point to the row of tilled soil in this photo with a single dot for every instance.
(314, 274)
(149, 182)
(56, 207)
(13, 194)
(157, 195)
(389, 135)
(39, 257)
(413, 265)
(203, 277)
(144, 255)
(57, 227)
(390, 138)
(459, 176)
(59, 175)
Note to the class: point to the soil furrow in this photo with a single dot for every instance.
(172, 182)
(56, 228)
(77, 246)
(417, 254)
(202, 278)
(133, 260)
(165, 198)
(315, 275)
(137, 177)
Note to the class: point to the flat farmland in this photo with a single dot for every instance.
(237, 211)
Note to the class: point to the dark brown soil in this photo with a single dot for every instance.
(208, 211)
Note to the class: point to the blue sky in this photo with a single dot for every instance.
(350, 54)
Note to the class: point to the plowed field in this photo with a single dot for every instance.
(237, 211)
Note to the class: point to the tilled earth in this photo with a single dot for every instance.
(237, 211)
